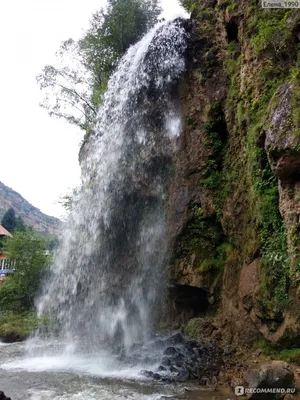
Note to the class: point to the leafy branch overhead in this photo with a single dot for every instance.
(73, 87)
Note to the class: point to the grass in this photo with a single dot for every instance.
(288, 355)
(18, 325)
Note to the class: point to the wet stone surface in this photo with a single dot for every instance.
(3, 397)
(178, 358)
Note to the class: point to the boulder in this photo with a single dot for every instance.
(289, 397)
(3, 397)
(199, 328)
(282, 144)
(274, 374)
(12, 337)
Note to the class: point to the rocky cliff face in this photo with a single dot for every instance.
(31, 215)
(234, 200)
(234, 187)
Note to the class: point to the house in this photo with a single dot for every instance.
(5, 264)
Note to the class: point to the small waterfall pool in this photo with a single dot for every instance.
(74, 377)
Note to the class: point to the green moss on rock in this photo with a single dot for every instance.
(199, 328)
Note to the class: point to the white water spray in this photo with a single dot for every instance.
(108, 277)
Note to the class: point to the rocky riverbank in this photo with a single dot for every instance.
(211, 364)
(179, 359)
(215, 367)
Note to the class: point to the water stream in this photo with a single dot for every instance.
(108, 278)
(70, 377)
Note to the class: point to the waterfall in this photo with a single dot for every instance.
(108, 278)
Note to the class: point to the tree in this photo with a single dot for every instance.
(27, 251)
(124, 23)
(74, 87)
(67, 87)
(20, 224)
(69, 199)
(9, 220)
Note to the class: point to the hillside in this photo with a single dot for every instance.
(31, 215)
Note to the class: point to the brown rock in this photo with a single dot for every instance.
(275, 374)
(199, 328)
(234, 382)
(281, 144)
(289, 397)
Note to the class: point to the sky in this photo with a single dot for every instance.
(39, 154)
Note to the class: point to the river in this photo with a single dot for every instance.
(70, 377)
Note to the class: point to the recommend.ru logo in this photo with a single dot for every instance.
(239, 391)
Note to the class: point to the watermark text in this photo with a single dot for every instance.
(280, 4)
(241, 391)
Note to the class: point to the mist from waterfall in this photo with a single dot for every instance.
(108, 278)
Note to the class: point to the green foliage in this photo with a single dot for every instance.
(214, 178)
(9, 220)
(272, 232)
(189, 5)
(199, 328)
(68, 86)
(74, 87)
(12, 223)
(295, 81)
(288, 355)
(125, 22)
(197, 211)
(223, 254)
(20, 325)
(272, 34)
(216, 133)
(232, 7)
(20, 224)
(232, 48)
(52, 243)
(27, 251)
(194, 328)
(69, 199)
(201, 237)
(248, 105)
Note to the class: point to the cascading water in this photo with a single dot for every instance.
(108, 277)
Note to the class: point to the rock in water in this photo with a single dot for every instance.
(275, 374)
(3, 397)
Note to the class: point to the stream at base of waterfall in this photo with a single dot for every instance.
(57, 375)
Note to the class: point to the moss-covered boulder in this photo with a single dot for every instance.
(200, 328)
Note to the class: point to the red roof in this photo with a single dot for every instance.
(4, 232)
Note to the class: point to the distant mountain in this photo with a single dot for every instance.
(31, 215)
